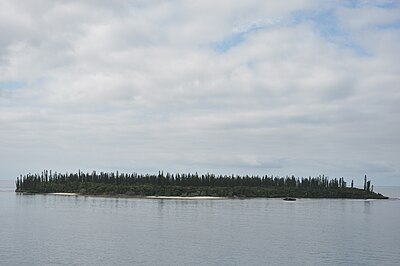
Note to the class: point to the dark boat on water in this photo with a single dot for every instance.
(289, 199)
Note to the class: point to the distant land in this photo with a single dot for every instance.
(192, 185)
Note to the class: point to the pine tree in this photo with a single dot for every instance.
(365, 182)
(368, 185)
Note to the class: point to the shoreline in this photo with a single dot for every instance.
(137, 197)
(63, 194)
(69, 194)
(184, 197)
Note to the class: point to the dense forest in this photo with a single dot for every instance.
(121, 184)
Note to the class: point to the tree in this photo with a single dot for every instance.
(365, 182)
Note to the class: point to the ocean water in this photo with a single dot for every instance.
(77, 230)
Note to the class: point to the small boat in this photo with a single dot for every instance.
(289, 199)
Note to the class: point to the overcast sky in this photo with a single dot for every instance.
(229, 87)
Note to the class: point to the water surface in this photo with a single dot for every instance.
(77, 230)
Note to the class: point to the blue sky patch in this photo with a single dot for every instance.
(389, 4)
(229, 42)
(236, 38)
(12, 85)
(360, 3)
(390, 26)
(327, 25)
(324, 21)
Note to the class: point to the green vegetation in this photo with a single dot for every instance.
(117, 184)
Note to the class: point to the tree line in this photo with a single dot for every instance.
(188, 184)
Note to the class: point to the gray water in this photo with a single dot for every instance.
(77, 230)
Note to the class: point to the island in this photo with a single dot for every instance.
(192, 185)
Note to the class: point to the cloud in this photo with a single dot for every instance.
(301, 88)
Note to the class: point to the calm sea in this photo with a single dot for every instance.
(77, 230)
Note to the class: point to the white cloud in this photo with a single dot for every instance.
(141, 87)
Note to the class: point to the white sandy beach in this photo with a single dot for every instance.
(146, 197)
(64, 194)
(184, 198)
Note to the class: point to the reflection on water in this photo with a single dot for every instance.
(367, 207)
